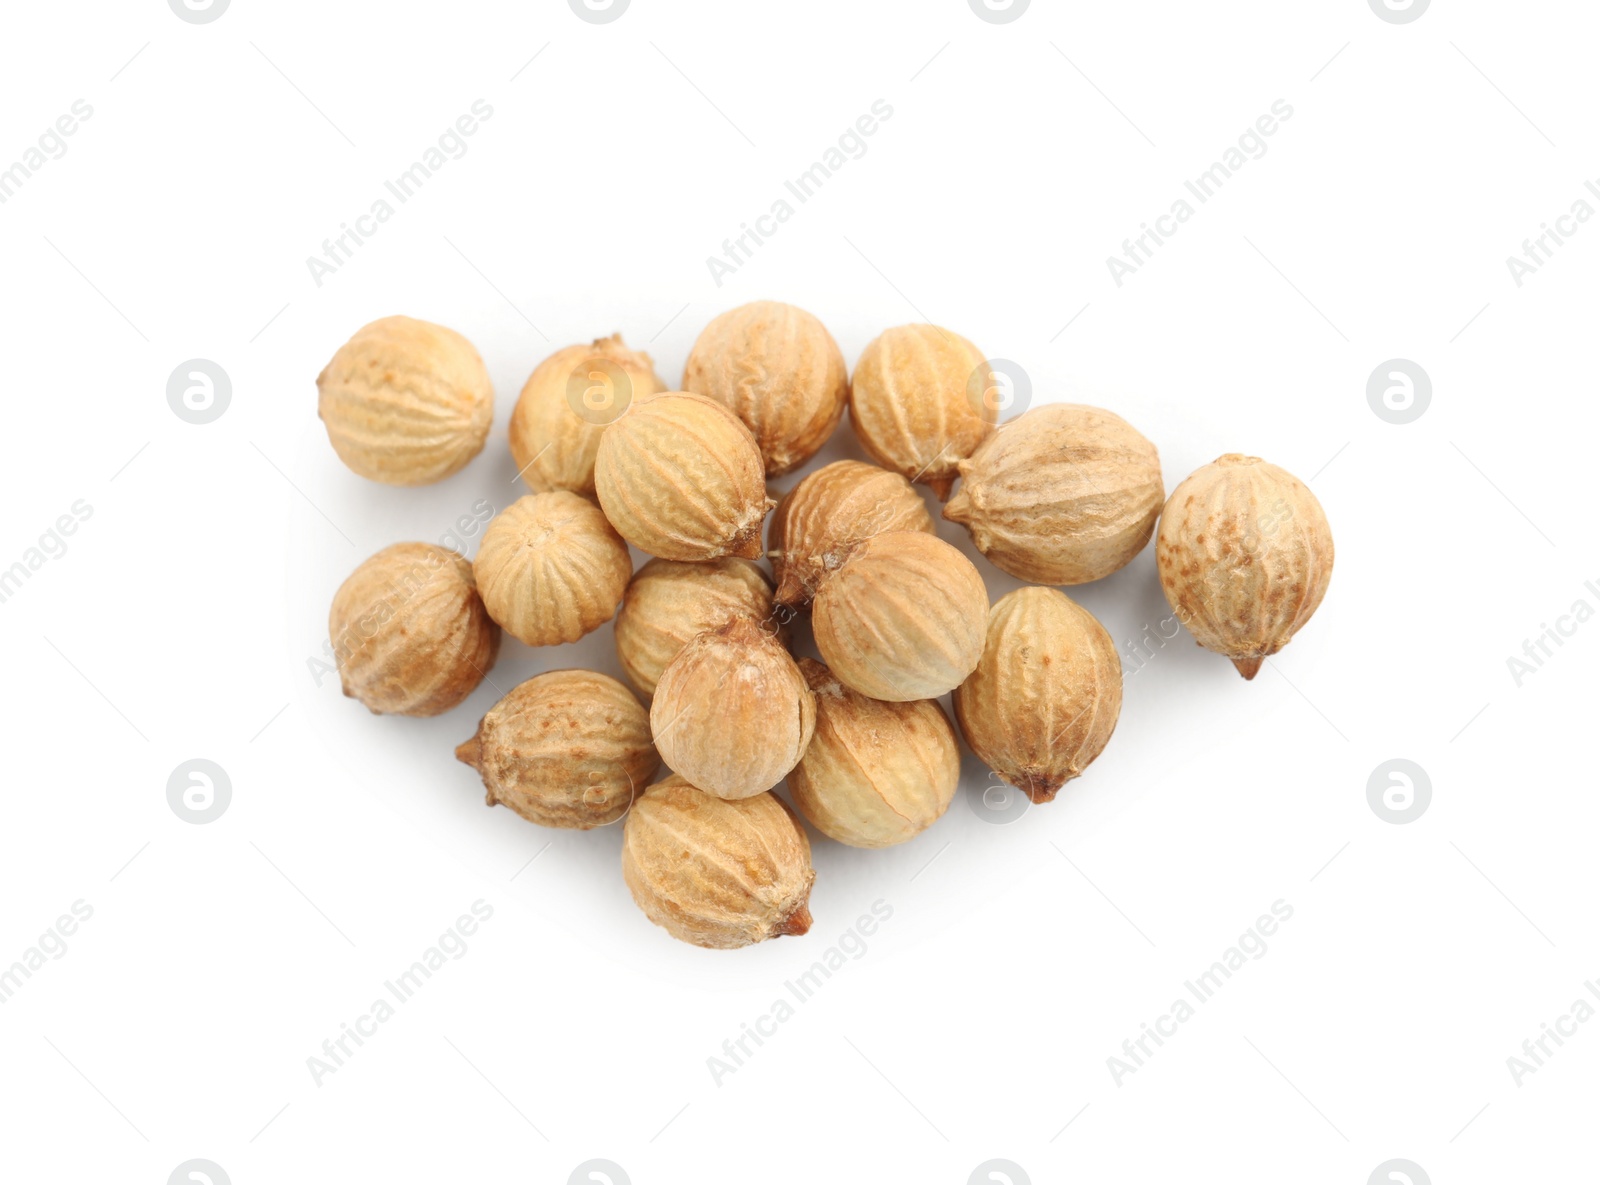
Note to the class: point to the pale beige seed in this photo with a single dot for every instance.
(1045, 696)
(1245, 556)
(681, 478)
(406, 402)
(409, 632)
(916, 406)
(732, 713)
(551, 569)
(875, 773)
(1063, 494)
(827, 514)
(716, 873)
(565, 406)
(780, 371)
(565, 749)
(669, 602)
(903, 618)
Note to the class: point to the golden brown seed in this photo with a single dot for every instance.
(566, 404)
(1046, 695)
(409, 633)
(903, 618)
(732, 713)
(681, 478)
(827, 514)
(550, 568)
(716, 873)
(406, 402)
(668, 603)
(1245, 556)
(1063, 494)
(564, 749)
(875, 773)
(780, 371)
(916, 405)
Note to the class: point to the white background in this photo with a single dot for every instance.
(180, 621)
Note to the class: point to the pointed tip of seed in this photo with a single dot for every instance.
(959, 508)
(791, 591)
(795, 924)
(748, 546)
(1041, 788)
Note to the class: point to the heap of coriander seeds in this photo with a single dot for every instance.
(1063, 494)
